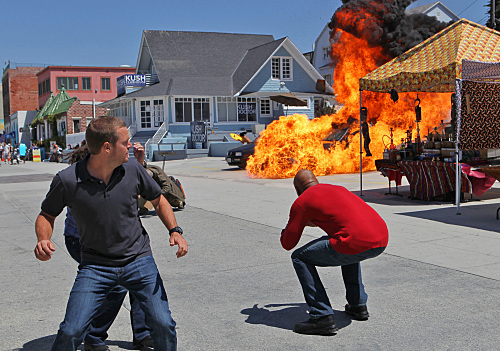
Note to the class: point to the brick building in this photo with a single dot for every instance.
(63, 115)
(19, 91)
(88, 84)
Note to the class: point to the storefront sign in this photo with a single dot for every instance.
(198, 132)
(247, 111)
(130, 80)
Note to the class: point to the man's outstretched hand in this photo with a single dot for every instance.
(178, 239)
(44, 249)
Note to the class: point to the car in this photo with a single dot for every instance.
(239, 155)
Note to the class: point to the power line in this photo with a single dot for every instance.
(482, 19)
(467, 7)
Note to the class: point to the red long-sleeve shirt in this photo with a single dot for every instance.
(353, 226)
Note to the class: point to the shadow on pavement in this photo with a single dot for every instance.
(379, 196)
(45, 343)
(284, 316)
(474, 216)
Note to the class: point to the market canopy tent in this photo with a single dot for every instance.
(479, 114)
(435, 64)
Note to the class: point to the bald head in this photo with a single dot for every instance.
(303, 180)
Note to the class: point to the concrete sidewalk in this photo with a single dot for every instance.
(435, 288)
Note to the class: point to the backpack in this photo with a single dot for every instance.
(171, 188)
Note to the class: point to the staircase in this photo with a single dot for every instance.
(140, 137)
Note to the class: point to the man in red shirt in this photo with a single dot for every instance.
(355, 232)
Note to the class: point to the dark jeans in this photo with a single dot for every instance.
(110, 307)
(319, 253)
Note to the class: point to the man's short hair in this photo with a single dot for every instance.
(100, 130)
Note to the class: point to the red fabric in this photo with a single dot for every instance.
(480, 180)
(394, 175)
(429, 179)
(352, 225)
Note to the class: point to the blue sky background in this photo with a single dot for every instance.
(108, 32)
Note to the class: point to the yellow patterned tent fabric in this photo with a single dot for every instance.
(434, 64)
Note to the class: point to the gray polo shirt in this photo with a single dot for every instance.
(110, 229)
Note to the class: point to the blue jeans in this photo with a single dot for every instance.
(319, 253)
(111, 306)
(93, 284)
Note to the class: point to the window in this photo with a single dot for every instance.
(247, 109)
(328, 78)
(146, 114)
(47, 85)
(265, 107)
(158, 112)
(61, 127)
(201, 109)
(192, 109)
(40, 89)
(76, 126)
(326, 52)
(70, 83)
(86, 83)
(231, 109)
(105, 83)
(281, 68)
(227, 109)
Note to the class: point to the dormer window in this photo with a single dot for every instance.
(281, 68)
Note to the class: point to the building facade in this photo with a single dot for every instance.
(229, 81)
(88, 84)
(19, 92)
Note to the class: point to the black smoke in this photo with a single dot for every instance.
(384, 23)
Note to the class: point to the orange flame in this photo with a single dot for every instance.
(295, 142)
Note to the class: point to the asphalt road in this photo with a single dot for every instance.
(435, 288)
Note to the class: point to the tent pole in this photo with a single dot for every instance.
(360, 148)
(458, 170)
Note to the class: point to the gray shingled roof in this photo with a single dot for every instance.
(253, 60)
(420, 9)
(198, 63)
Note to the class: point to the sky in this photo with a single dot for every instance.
(108, 32)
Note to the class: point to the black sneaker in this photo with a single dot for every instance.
(319, 326)
(359, 313)
(89, 347)
(146, 342)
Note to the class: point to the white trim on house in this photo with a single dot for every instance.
(295, 54)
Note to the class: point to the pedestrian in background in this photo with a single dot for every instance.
(22, 152)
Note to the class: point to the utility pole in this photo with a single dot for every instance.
(493, 21)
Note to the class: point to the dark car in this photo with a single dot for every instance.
(239, 155)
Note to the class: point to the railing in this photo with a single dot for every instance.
(155, 139)
(132, 129)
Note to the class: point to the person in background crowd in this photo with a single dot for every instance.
(355, 232)
(244, 138)
(14, 155)
(22, 152)
(6, 153)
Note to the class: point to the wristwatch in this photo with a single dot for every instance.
(175, 229)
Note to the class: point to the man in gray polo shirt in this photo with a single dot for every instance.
(102, 192)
